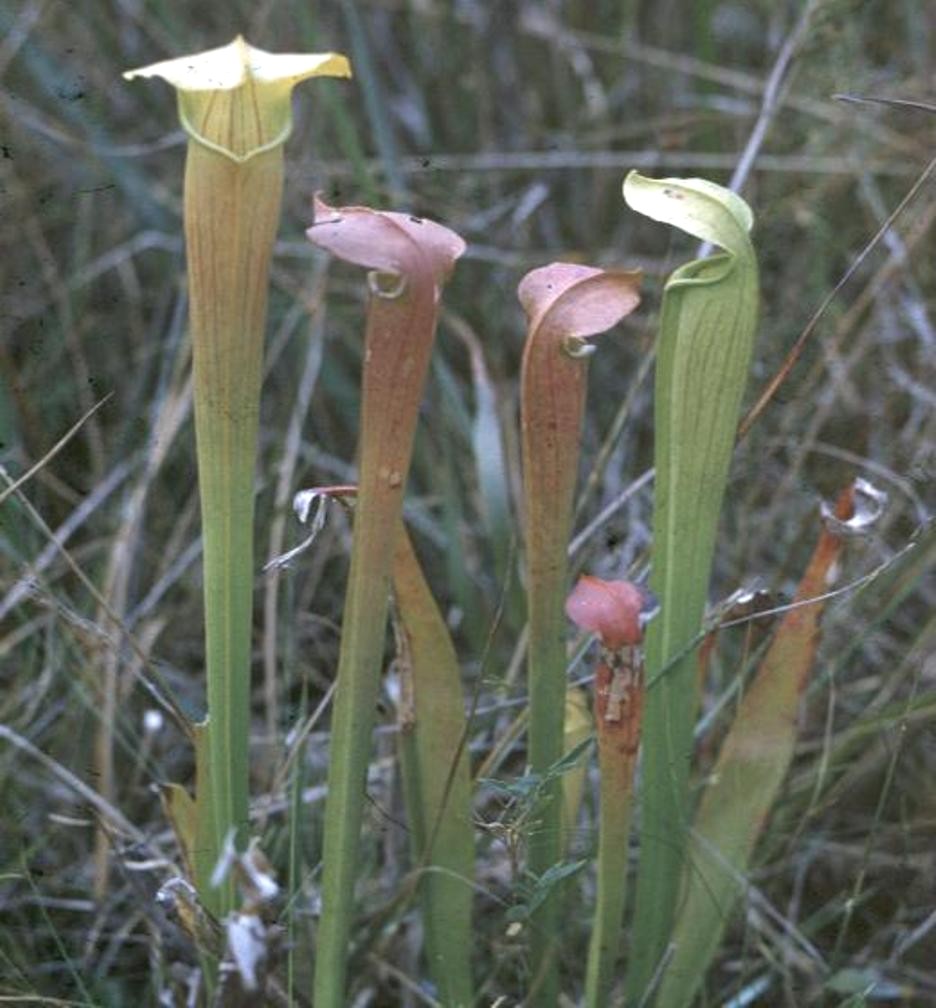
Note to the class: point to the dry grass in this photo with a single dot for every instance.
(514, 124)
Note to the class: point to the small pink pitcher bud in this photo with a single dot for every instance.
(617, 611)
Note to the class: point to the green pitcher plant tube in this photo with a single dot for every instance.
(707, 327)
(408, 259)
(234, 104)
(565, 303)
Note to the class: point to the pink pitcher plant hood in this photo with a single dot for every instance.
(409, 259)
(565, 303)
(617, 611)
(387, 241)
(578, 301)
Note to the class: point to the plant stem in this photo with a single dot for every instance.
(618, 742)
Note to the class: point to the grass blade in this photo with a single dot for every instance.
(490, 460)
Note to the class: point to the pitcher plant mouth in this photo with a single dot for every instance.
(235, 100)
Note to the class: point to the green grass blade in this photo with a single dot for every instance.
(436, 776)
(707, 330)
(747, 776)
(490, 462)
(375, 104)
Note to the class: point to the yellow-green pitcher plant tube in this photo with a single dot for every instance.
(234, 104)
(707, 328)
(565, 303)
(408, 259)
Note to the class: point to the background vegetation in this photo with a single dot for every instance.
(513, 123)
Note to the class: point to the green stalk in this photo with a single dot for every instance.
(409, 259)
(436, 777)
(564, 304)
(707, 331)
(234, 103)
(617, 611)
(617, 756)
